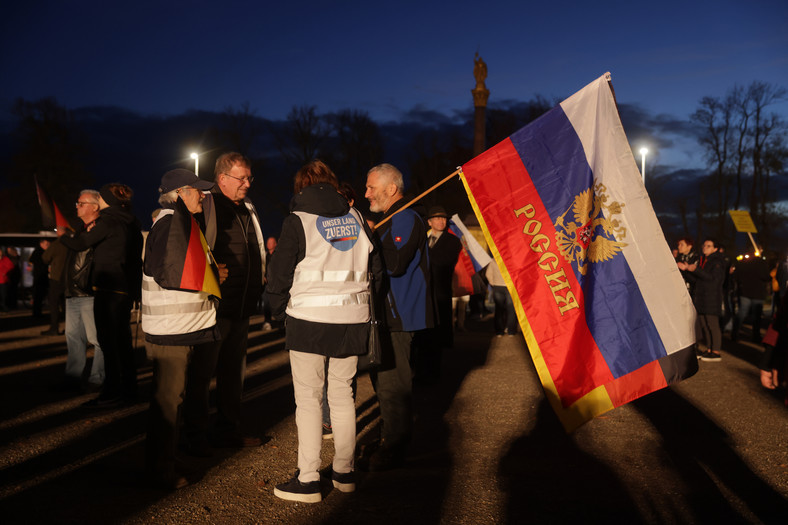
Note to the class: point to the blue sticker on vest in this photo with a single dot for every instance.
(340, 232)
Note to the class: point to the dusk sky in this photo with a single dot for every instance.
(396, 61)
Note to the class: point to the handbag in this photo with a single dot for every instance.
(374, 350)
(771, 335)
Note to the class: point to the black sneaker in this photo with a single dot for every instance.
(327, 432)
(344, 482)
(387, 458)
(294, 490)
(710, 356)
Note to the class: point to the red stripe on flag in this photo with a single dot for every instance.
(60, 219)
(195, 263)
(462, 282)
(549, 292)
(642, 381)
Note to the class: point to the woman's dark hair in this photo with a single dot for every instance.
(313, 173)
(116, 194)
(347, 190)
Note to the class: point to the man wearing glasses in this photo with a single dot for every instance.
(232, 230)
(80, 323)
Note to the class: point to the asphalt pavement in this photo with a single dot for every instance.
(487, 448)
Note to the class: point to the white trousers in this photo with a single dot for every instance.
(308, 377)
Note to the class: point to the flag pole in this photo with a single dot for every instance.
(443, 181)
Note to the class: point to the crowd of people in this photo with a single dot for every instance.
(727, 292)
(317, 280)
(206, 267)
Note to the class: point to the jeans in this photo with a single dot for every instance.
(81, 331)
(745, 305)
(309, 374)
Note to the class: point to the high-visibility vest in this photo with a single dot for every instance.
(331, 283)
(174, 312)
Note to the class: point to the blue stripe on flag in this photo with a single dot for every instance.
(616, 312)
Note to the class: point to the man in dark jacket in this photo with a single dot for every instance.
(55, 257)
(80, 322)
(444, 249)
(409, 307)
(40, 276)
(232, 230)
(752, 280)
(116, 279)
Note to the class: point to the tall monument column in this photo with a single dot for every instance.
(480, 94)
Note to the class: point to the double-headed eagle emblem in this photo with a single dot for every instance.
(593, 235)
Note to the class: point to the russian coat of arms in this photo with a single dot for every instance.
(591, 234)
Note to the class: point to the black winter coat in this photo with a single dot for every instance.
(708, 278)
(236, 246)
(117, 251)
(332, 340)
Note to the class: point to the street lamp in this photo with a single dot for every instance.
(196, 158)
(643, 152)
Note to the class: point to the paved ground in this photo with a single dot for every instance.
(488, 449)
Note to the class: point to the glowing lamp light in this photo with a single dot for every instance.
(196, 157)
(643, 152)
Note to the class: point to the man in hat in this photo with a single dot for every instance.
(177, 322)
(444, 249)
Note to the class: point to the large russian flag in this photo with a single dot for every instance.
(604, 310)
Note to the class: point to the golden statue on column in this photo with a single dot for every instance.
(480, 94)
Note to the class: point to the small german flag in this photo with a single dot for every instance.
(189, 264)
(51, 216)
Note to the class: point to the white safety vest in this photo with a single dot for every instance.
(331, 285)
(174, 312)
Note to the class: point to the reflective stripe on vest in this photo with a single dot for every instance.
(174, 312)
(329, 300)
(333, 272)
(335, 276)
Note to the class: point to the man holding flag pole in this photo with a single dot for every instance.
(604, 310)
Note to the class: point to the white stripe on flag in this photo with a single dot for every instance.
(474, 248)
(594, 117)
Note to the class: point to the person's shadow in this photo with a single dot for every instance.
(548, 479)
(721, 486)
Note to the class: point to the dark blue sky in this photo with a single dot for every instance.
(397, 61)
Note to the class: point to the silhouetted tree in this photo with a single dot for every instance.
(743, 142)
(47, 145)
(356, 146)
(300, 139)
(718, 139)
(240, 128)
(434, 154)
